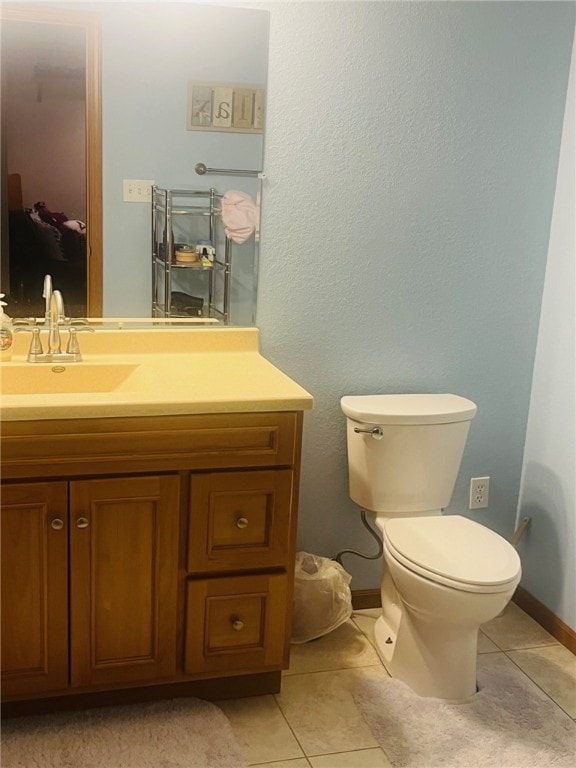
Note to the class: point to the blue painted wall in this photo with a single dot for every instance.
(411, 153)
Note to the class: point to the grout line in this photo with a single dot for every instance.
(274, 696)
(275, 762)
(335, 669)
(526, 647)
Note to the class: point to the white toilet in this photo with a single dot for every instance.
(444, 575)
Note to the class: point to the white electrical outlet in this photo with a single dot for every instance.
(479, 490)
(138, 190)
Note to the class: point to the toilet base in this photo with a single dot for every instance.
(441, 669)
(427, 635)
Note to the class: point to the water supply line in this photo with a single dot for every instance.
(373, 533)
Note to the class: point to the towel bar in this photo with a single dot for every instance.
(201, 169)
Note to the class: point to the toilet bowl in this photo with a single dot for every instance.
(443, 578)
(444, 575)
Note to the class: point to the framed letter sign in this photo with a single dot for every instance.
(238, 108)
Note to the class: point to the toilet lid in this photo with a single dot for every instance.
(453, 550)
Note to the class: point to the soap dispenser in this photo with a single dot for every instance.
(5, 332)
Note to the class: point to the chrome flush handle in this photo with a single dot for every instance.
(376, 432)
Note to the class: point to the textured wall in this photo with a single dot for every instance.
(411, 152)
(548, 489)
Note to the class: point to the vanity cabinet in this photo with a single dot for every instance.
(89, 573)
(147, 551)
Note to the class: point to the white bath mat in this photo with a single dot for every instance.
(182, 733)
(509, 723)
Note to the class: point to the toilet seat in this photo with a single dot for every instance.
(453, 551)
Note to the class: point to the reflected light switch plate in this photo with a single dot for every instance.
(138, 190)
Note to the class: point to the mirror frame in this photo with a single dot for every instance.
(94, 243)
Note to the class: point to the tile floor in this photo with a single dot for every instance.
(313, 722)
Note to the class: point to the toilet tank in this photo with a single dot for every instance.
(410, 466)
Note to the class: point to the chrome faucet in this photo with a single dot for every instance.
(47, 295)
(55, 320)
(55, 316)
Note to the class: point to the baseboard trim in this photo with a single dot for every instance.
(365, 598)
(546, 618)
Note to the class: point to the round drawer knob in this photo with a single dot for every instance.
(241, 522)
(237, 625)
(82, 522)
(57, 524)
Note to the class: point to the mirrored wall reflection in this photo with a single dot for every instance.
(204, 254)
(146, 136)
(44, 162)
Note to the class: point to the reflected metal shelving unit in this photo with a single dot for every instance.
(189, 218)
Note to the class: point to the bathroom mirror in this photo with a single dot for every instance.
(51, 156)
(143, 113)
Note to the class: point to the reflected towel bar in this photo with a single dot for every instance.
(201, 169)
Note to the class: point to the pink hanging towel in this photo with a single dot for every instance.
(240, 215)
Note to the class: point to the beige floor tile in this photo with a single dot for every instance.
(514, 630)
(321, 711)
(554, 670)
(260, 729)
(343, 648)
(362, 758)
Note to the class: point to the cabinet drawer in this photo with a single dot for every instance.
(239, 520)
(236, 623)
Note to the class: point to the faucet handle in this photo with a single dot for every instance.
(29, 321)
(35, 344)
(73, 347)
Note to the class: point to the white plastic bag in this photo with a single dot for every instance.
(322, 597)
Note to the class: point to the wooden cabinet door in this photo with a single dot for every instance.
(34, 522)
(123, 576)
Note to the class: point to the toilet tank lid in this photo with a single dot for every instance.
(408, 408)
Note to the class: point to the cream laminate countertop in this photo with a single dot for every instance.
(148, 373)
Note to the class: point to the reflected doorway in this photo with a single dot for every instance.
(51, 160)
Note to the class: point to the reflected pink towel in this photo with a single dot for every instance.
(240, 215)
